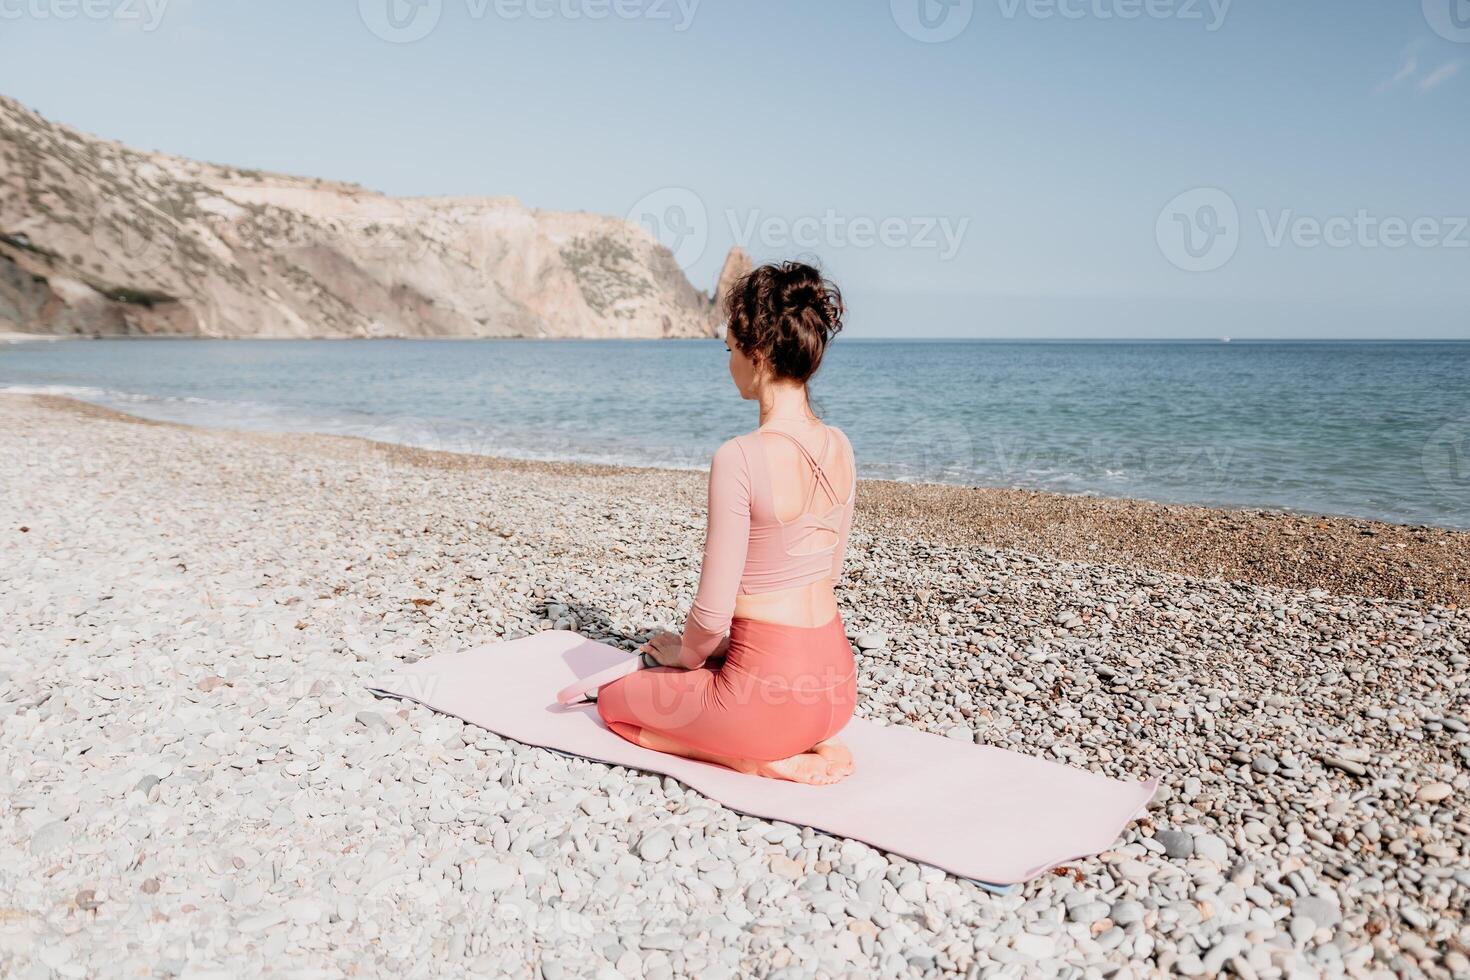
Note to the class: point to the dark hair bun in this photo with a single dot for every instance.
(783, 315)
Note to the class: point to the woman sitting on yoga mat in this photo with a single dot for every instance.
(767, 696)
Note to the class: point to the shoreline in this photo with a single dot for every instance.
(21, 337)
(17, 337)
(886, 338)
(1262, 509)
(1258, 546)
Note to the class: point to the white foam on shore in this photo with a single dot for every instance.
(98, 395)
(416, 431)
(12, 337)
(477, 439)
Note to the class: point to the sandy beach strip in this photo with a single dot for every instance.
(195, 780)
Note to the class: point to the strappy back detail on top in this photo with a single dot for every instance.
(748, 550)
(775, 558)
(820, 480)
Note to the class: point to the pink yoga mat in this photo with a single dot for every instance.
(976, 811)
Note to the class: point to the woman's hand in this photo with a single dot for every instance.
(664, 647)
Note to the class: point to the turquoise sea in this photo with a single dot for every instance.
(1370, 429)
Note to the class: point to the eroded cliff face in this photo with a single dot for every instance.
(737, 266)
(97, 238)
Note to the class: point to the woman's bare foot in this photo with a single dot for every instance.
(809, 767)
(838, 756)
(825, 764)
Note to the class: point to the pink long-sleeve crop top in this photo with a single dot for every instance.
(748, 550)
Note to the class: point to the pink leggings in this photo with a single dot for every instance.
(779, 691)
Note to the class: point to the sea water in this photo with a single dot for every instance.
(1369, 429)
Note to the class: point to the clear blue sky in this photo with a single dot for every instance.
(1047, 135)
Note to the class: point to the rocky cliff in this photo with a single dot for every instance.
(737, 266)
(97, 238)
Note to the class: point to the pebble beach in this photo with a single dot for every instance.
(196, 782)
